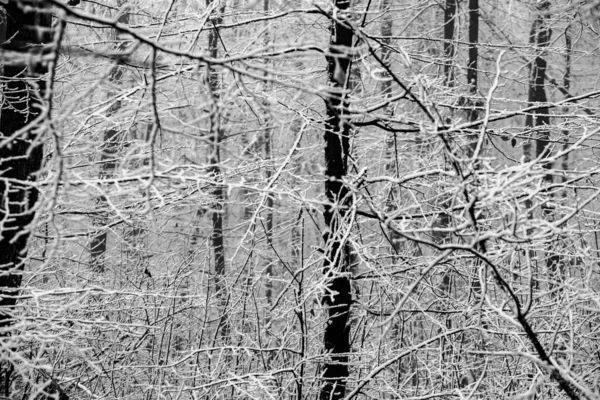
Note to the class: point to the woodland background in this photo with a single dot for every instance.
(261, 199)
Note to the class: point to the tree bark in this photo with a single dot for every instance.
(567, 87)
(539, 38)
(268, 173)
(216, 135)
(444, 218)
(449, 49)
(27, 25)
(449, 55)
(21, 157)
(108, 163)
(473, 102)
(472, 79)
(539, 119)
(335, 267)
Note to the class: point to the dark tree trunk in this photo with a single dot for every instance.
(567, 87)
(270, 200)
(386, 51)
(449, 54)
(473, 102)
(269, 221)
(472, 79)
(472, 115)
(335, 266)
(539, 38)
(569, 49)
(218, 192)
(108, 164)
(443, 220)
(449, 49)
(539, 119)
(21, 157)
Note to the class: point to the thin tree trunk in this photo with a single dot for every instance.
(449, 54)
(472, 79)
(539, 119)
(449, 49)
(108, 163)
(268, 173)
(473, 103)
(269, 222)
(216, 135)
(539, 38)
(444, 218)
(335, 266)
(557, 262)
(567, 87)
(391, 167)
(21, 157)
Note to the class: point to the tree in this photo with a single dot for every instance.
(113, 137)
(449, 51)
(214, 161)
(337, 251)
(472, 79)
(24, 120)
(21, 130)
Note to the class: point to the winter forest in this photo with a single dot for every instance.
(311, 199)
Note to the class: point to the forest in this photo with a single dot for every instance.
(311, 199)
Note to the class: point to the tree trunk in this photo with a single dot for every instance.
(216, 135)
(567, 87)
(449, 50)
(472, 79)
(473, 102)
(557, 262)
(539, 119)
(449, 54)
(539, 38)
(269, 221)
(108, 163)
(268, 173)
(338, 297)
(21, 157)
(391, 167)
